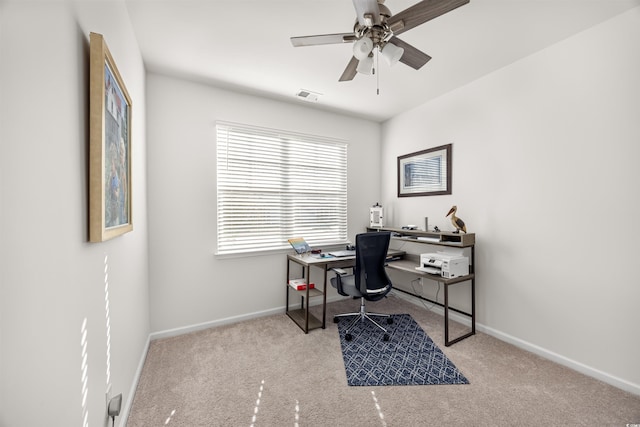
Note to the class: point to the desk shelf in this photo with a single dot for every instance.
(442, 238)
(410, 261)
(312, 292)
(409, 266)
(301, 316)
(298, 316)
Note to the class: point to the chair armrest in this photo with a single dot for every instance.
(336, 282)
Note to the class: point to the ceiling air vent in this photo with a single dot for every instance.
(307, 95)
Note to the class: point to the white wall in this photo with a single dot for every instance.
(545, 167)
(189, 284)
(545, 171)
(51, 278)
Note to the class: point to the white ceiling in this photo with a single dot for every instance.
(244, 45)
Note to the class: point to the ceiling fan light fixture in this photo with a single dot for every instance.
(368, 19)
(365, 65)
(362, 48)
(392, 53)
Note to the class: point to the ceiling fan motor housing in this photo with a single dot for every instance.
(378, 33)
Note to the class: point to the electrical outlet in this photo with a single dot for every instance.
(114, 406)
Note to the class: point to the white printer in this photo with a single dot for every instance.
(444, 264)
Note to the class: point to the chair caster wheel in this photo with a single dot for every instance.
(385, 337)
(348, 337)
(389, 320)
(336, 319)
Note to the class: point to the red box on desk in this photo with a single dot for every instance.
(300, 285)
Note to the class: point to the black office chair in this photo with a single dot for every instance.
(369, 280)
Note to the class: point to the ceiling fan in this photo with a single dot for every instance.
(376, 27)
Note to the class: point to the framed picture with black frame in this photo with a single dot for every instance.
(425, 173)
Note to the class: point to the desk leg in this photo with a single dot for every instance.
(302, 270)
(473, 306)
(324, 299)
(306, 308)
(286, 310)
(446, 315)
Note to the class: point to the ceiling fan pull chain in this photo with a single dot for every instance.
(377, 74)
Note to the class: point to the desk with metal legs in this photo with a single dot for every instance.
(409, 266)
(305, 320)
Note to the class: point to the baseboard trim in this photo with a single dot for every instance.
(212, 324)
(532, 348)
(228, 320)
(562, 360)
(124, 416)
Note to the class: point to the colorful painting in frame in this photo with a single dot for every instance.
(110, 198)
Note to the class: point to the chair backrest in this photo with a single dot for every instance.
(370, 274)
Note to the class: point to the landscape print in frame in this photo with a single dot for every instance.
(425, 173)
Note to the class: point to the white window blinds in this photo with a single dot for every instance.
(275, 185)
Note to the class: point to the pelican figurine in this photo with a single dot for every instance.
(457, 222)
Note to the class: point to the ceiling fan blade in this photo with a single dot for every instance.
(366, 8)
(421, 12)
(350, 72)
(323, 39)
(412, 57)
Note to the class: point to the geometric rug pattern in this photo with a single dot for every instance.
(410, 357)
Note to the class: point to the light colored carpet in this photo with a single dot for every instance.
(267, 372)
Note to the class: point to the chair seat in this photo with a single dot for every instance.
(348, 285)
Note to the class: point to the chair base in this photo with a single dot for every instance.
(361, 316)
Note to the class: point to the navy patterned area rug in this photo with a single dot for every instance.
(410, 357)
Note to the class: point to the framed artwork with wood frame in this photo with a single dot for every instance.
(110, 197)
(425, 173)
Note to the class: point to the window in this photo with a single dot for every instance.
(275, 185)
